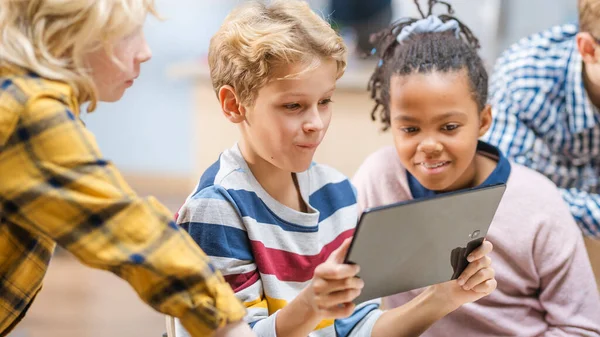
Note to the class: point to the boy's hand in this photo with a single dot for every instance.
(334, 286)
(477, 281)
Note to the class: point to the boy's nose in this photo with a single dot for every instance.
(315, 123)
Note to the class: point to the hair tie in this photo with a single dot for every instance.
(430, 24)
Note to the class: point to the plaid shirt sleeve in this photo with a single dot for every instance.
(58, 184)
(516, 136)
(585, 207)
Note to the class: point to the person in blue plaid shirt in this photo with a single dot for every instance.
(545, 93)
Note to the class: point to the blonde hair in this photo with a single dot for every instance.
(51, 37)
(257, 37)
(589, 16)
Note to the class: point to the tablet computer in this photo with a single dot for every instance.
(418, 243)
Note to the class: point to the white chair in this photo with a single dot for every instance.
(170, 324)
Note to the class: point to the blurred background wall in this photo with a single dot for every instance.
(149, 131)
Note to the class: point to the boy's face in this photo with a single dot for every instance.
(289, 117)
(112, 80)
(436, 124)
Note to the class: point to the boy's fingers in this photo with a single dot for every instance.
(334, 268)
(332, 271)
(339, 297)
(481, 251)
(339, 254)
(340, 311)
(331, 286)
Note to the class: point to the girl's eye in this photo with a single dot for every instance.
(410, 129)
(450, 127)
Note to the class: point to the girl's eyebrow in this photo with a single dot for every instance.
(445, 115)
(449, 114)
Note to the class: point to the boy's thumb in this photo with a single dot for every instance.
(339, 254)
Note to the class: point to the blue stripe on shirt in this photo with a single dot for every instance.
(210, 237)
(333, 197)
(209, 176)
(252, 206)
(248, 204)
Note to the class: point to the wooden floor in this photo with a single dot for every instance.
(77, 301)
(80, 302)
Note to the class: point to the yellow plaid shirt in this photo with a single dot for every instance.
(55, 187)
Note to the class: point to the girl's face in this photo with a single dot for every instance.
(111, 79)
(436, 125)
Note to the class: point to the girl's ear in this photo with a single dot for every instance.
(485, 120)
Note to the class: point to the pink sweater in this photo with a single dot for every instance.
(545, 282)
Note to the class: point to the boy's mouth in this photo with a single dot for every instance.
(308, 146)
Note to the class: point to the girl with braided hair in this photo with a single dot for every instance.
(430, 91)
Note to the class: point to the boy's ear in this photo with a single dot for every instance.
(231, 106)
(586, 44)
(485, 120)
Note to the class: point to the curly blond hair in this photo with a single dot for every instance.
(589, 16)
(256, 37)
(51, 37)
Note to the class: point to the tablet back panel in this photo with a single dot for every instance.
(418, 243)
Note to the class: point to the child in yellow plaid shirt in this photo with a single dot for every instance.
(56, 187)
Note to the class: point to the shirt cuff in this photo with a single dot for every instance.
(365, 326)
(213, 312)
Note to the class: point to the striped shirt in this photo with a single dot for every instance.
(267, 251)
(544, 119)
(56, 187)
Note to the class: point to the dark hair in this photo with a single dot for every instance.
(425, 53)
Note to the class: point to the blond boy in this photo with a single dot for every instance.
(276, 223)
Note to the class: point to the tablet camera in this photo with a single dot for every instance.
(475, 234)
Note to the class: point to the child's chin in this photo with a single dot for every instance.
(301, 167)
(437, 186)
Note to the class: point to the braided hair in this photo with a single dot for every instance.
(424, 53)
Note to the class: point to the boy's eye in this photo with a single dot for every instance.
(326, 101)
(450, 127)
(292, 106)
(410, 129)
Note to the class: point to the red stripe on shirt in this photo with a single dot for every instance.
(292, 267)
(240, 282)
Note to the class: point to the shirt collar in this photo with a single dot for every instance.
(498, 176)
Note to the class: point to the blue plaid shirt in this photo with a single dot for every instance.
(543, 118)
